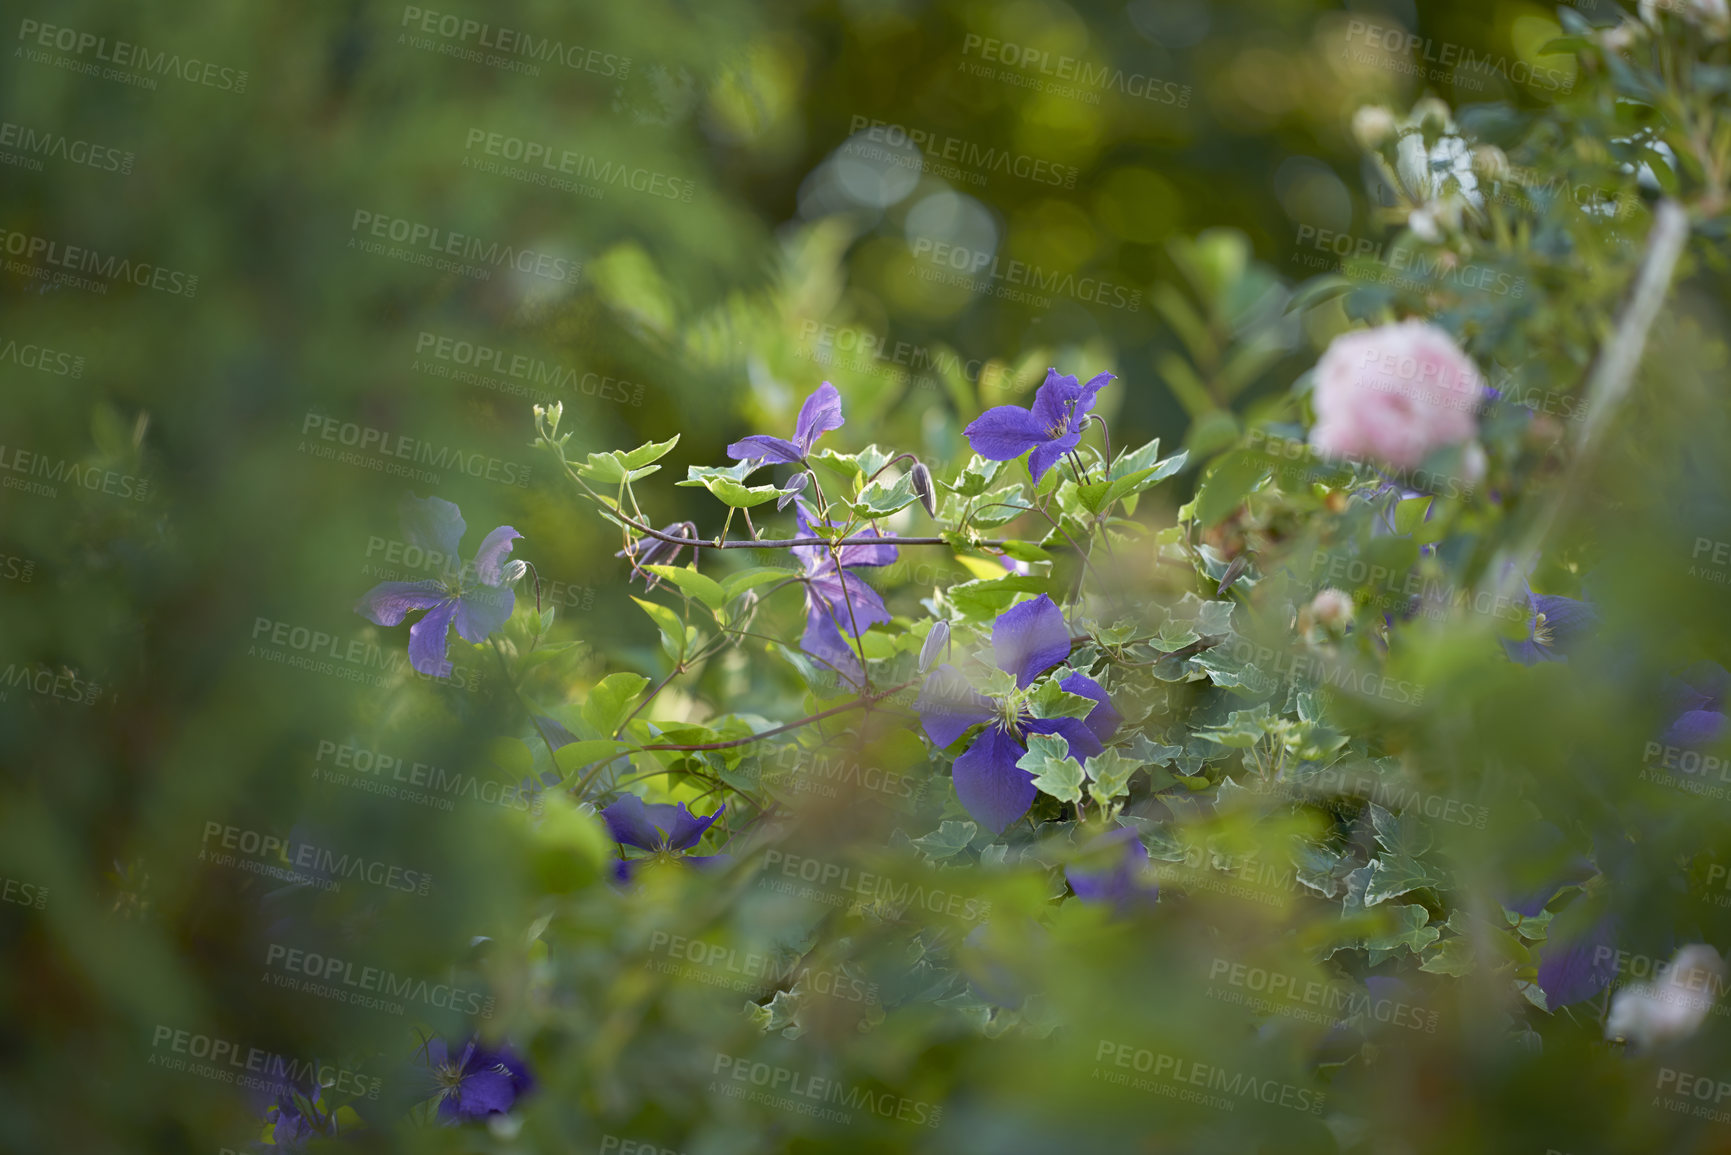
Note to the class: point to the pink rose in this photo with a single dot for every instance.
(1395, 394)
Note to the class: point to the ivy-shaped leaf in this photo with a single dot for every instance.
(1109, 775)
(948, 840)
(1055, 772)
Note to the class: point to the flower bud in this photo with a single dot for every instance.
(1424, 225)
(1712, 16)
(1332, 609)
(1433, 116)
(514, 571)
(1491, 162)
(1622, 37)
(923, 488)
(935, 643)
(794, 487)
(1372, 124)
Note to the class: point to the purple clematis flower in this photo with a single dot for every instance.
(1696, 702)
(665, 831)
(1027, 640)
(1575, 967)
(1051, 428)
(820, 414)
(475, 1083)
(297, 1114)
(477, 601)
(838, 604)
(1556, 625)
(1119, 885)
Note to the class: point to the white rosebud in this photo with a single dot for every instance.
(1491, 162)
(1372, 124)
(1674, 1006)
(1332, 609)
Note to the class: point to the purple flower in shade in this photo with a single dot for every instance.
(819, 415)
(1575, 967)
(666, 832)
(837, 602)
(1548, 851)
(477, 1082)
(1696, 706)
(478, 602)
(297, 1114)
(1554, 626)
(1118, 885)
(1051, 428)
(1027, 640)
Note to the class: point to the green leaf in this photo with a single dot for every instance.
(1055, 772)
(1231, 480)
(731, 492)
(610, 469)
(1050, 700)
(879, 500)
(948, 840)
(1409, 514)
(989, 597)
(576, 756)
(611, 700)
(700, 586)
(672, 628)
(1099, 496)
(735, 584)
(999, 506)
(1394, 875)
(1109, 775)
(1025, 551)
(976, 479)
(1243, 728)
(648, 452)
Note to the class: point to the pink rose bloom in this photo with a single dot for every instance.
(1395, 394)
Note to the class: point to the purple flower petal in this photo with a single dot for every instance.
(1081, 740)
(820, 414)
(1573, 969)
(1049, 453)
(761, 447)
(683, 828)
(865, 554)
(481, 612)
(1119, 883)
(434, 524)
(1103, 720)
(1004, 433)
(429, 638)
(1030, 638)
(992, 788)
(948, 706)
(823, 640)
(483, 1092)
(1695, 729)
(1528, 652)
(629, 824)
(1566, 619)
(490, 558)
(386, 603)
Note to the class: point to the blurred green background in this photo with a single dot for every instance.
(407, 225)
